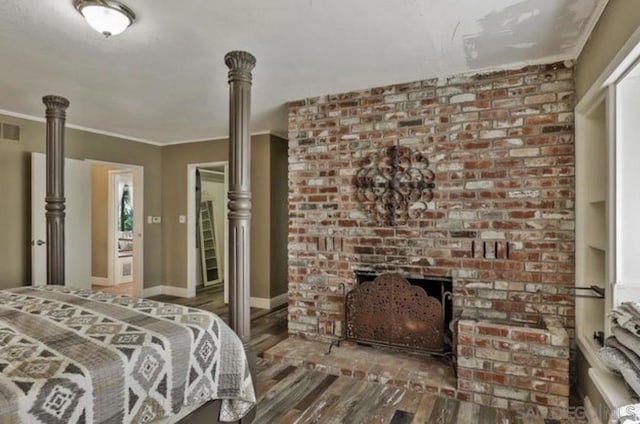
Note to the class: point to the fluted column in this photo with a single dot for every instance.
(240, 65)
(56, 107)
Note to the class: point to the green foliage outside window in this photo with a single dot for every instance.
(125, 215)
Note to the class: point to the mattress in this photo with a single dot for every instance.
(76, 356)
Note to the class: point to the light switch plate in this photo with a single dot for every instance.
(182, 219)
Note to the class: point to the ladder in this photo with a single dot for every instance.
(209, 257)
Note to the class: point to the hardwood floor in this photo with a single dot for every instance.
(268, 328)
(288, 394)
(125, 288)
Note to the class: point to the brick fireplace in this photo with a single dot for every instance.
(500, 222)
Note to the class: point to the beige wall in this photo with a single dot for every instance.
(15, 192)
(260, 217)
(99, 224)
(618, 21)
(165, 184)
(174, 183)
(279, 216)
(175, 159)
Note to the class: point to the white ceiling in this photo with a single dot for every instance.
(164, 79)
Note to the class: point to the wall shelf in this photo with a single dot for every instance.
(593, 253)
(592, 215)
(598, 245)
(612, 387)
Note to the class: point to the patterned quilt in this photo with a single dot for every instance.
(69, 356)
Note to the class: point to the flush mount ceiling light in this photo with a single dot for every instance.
(108, 17)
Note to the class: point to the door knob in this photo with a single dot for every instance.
(38, 242)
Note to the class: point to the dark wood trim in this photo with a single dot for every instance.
(55, 201)
(240, 65)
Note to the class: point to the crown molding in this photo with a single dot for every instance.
(131, 138)
(80, 127)
(225, 137)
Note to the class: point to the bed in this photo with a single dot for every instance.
(77, 356)
(80, 356)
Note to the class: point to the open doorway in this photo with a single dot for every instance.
(207, 229)
(117, 211)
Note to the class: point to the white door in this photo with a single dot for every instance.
(77, 182)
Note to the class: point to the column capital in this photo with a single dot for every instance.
(55, 102)
(240, 60)
(56, 106)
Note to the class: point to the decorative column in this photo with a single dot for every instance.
(240, 65)
(56, 115)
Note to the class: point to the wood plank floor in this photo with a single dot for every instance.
(268, 328)
(125, 288)
(291, 395)
(287, 394)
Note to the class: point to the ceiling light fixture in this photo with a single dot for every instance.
(108, 17)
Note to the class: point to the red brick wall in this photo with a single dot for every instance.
(525, 370)
(501, 148)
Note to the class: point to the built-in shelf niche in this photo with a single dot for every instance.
(595, 271)
(592, 214)
(607, 204)
(597, 233)
(595, 165)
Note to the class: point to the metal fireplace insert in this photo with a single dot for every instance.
(407, 313)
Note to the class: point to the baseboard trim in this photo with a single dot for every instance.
(152, 291)
(265, 303)
(100, 281)
(279, 300)
(260, 302)
(255, 302)
(168, 290)
(176, 291)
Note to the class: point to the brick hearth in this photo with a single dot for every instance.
(416, 372)
(501, 222)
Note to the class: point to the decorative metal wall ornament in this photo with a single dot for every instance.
(395, 185)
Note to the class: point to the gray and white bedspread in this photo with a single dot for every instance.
(70, 356)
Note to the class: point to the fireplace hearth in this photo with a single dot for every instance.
(390, 310)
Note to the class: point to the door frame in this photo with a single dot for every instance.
(191, 226)
(112, 218)
(138, 217)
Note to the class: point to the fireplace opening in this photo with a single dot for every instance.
(407, 313)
